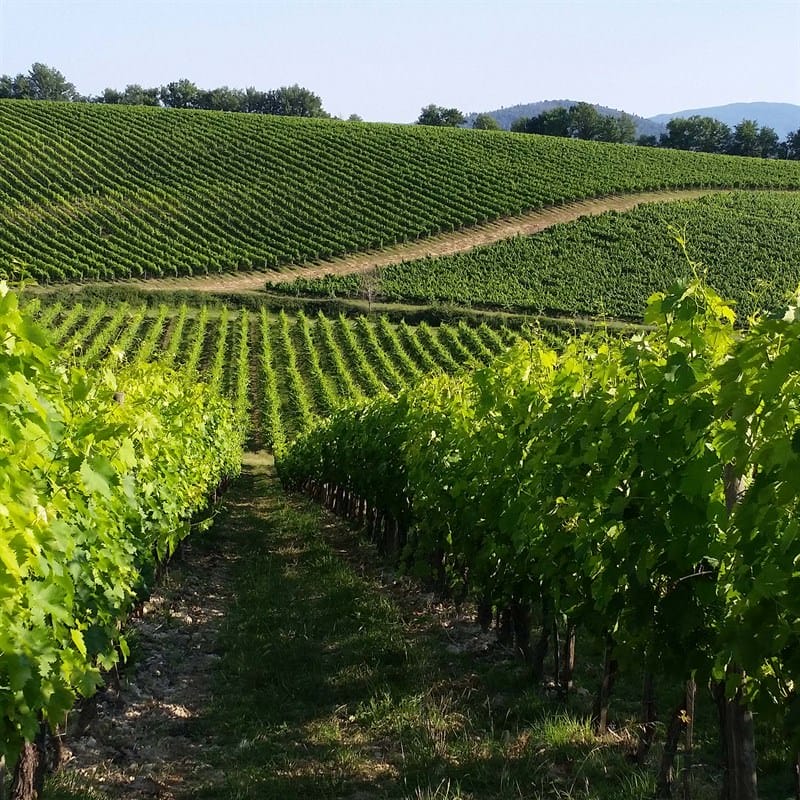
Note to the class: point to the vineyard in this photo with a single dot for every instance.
(90, 191)
(284, 370)
(641, 492)
(102, 477)
(628, 495)
(609, 264)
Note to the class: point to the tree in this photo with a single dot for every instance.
(580, 121)
(6, 87)
(47, 83)
(550, 123)
(22, 89)
(222, 98)
(294, 101)
(370, 286)
(255, 101)
(136, 95)
(768, 142)
(440, 116)
(180, 94)
(354, 118)
(792, 145)
(485, 122)
(584, 121)
(41, 83)
(745, 139)
(626, 128)
(697, 133)
(109, 97)
(520, 125)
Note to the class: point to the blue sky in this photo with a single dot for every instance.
(385, 59)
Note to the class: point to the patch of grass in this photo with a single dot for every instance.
(68, 786)
(337, 682)
(332, 687)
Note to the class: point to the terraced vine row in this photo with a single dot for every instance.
(92, 191)
(611, 263)
(287, 370)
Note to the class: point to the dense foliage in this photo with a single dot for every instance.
(39, 83)
(440, 116)
(113, 191)
(99, 478)
(748, 138)
(696, 133)
(42, 82)
(579, 121)
(608, 264)
(646, 488)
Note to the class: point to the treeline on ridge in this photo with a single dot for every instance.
(42, 82)
(696, 133)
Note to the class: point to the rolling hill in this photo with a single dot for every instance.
(91, 191)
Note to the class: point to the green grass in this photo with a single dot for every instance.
(337, 679)
(332, 686)
(94, 191)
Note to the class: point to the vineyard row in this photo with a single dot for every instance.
(286, 371)
(104, 192)
(749, 244)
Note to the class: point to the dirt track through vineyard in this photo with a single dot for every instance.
(253, 656)
(439, 245)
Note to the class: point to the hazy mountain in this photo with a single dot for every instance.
(506, 116)
(783, 117)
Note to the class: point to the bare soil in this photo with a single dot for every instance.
(137, 740)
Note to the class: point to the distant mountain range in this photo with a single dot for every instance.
(783, 117)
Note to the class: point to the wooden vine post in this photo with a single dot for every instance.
(735, 719)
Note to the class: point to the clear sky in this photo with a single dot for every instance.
(385, 59)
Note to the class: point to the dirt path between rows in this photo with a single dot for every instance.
(440, 245)
(250, 662)
(144, 738)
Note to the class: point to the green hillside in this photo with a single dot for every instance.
(749, 242)
(99, 191)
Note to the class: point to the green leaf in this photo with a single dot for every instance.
(77, 639)
(97, 473)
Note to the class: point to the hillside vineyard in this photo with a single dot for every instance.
(606, 264)
(91, 191)
(630, 487)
